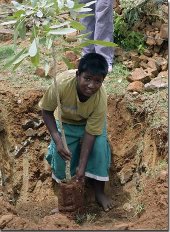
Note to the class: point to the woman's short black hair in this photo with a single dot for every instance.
(93, 63)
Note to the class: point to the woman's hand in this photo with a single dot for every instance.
(64, 153)
(80, 175)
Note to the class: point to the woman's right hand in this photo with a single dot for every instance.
(64, 153)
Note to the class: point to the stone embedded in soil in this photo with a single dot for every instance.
(6, 34)
(40, 72)
(28, 124)
(164, 31)
(163, 176)
(137, 86)
(157, 83)
(30, 132)
(71, 56)
(139, 75)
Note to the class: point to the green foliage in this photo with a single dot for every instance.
(42, 22)
(6, 52)
(126, 38)
(135, 10)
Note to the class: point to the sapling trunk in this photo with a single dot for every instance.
(68, 174)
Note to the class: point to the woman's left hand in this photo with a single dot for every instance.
(80, 175)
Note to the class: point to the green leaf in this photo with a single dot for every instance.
(21, 58)
(77, 25)
(83, 10)
(49, 42)
(99, 42)
(22, 30)
(60, 25)
(16, 65)
(90, 3)
(80, 16)
(39, 14)
(35, 59)
(33, 48)
(12, 60)
(47, 68)
(18, 13)
(63, 31)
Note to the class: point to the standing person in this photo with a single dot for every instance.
(100, 26)
(83, 110)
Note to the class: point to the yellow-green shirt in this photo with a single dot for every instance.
(91, 113)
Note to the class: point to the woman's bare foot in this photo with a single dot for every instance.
(104, 201)
(100, 196)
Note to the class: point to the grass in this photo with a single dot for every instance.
(116, 82)
(87, 217)
(160, 166)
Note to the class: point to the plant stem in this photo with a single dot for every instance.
(68, 175)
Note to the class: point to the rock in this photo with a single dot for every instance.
(143, 65)
(40, 72)
(71, 56)
(125, 175)
(5, 219)
(143, 58)
(147, 52)
(156, 49)
(118, 51)
(28, 124)
(134, 56)
(139, 75)
(136, 86)
(6, 34)
(162, 176)
(127, 207)
(30, 132)
(153, 64)
(152, 72)
(158, 39)
(150, 41)
(156, 83)
(35, 123)
(164, 31)
(163, 63)
(131, 64)
(71, 37)
(163, 74)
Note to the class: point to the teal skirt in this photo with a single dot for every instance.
(99, 159)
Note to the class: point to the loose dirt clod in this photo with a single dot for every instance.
(71, 197)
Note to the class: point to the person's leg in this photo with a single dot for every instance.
(98, 167)
(100, 195)
(89, 23)
(104, 28)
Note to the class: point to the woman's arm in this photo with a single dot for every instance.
(49, 120)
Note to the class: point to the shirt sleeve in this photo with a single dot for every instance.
(96, 120)
(49, 100)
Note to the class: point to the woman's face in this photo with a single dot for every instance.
(88, 84)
